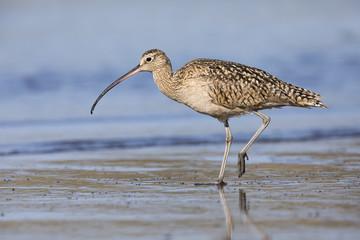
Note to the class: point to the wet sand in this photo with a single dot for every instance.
(285, 194)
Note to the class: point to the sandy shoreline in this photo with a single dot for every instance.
(155, 198)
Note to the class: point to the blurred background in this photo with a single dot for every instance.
(57, 56)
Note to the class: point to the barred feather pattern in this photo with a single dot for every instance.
(234, 85)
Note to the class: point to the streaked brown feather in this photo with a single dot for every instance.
(234, 85)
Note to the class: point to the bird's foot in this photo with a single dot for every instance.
(219, 183)
(241, 163)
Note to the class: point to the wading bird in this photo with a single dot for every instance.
(222, 89)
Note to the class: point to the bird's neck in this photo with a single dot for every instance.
(163, 78)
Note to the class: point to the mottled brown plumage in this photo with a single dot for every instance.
(222, 89)
(242, 89)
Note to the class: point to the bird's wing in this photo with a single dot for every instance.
(235, 85)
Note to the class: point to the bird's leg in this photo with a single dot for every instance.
(228, 140)
(242, 155)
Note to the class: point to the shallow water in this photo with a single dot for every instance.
(129, 170)
(108, 195)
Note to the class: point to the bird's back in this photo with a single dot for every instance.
(234, 85)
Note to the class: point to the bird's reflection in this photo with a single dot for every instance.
(227, 212)
(244, 215)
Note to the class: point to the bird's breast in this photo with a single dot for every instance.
(195, 94)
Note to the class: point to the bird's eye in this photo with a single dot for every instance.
(149, 59)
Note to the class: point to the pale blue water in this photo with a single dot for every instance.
(56, 57)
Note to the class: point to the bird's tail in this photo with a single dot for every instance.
(305, 98)
(315, 102)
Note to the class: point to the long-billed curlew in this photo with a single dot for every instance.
(222, 90)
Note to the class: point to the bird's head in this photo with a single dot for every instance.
(150, 61)
(153, 59)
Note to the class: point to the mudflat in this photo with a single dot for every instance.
(286, 193)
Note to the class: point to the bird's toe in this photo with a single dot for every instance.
(221, 183)
(241, 163)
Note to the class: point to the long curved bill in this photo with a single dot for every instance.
(130, 73)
